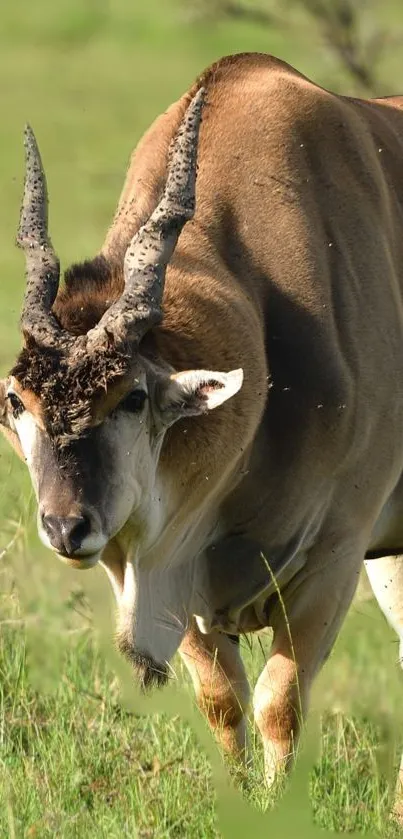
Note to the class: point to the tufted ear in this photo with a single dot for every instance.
(196, 392)
(8, 432)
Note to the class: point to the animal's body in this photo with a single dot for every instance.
(292, 270)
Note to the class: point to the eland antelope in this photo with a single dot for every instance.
(212, 407)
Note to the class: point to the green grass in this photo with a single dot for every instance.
(74, 760)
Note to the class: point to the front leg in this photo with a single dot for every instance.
(219, 679)
(305, 627)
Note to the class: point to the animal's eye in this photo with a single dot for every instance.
(16, 404)
(134, 401)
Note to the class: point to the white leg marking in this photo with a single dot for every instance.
(386, 578)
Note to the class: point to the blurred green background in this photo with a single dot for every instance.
(90, 77)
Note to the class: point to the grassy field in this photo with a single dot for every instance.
(75, 758)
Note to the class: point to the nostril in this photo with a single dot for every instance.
(67, 534)
(52, 526)
(75, 531)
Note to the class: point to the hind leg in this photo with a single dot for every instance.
(386, 578)
(215, 665)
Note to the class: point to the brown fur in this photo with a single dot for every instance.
(221, 686)
(90, 288)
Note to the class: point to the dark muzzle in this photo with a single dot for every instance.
(67, 534)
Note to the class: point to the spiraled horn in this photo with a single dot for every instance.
(42, 264)
(149, 252)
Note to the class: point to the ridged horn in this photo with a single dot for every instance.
(149, 252)
(42, 264)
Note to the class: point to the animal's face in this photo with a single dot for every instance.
(90, 487)
(87, 488)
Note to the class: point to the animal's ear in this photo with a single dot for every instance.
(8, 432)
(196, 392)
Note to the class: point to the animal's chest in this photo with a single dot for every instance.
(235, 579)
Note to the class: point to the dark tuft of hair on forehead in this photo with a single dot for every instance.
(67, 386)
(67, 389)
(90, 288)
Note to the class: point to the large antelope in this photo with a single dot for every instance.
(212, 407)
